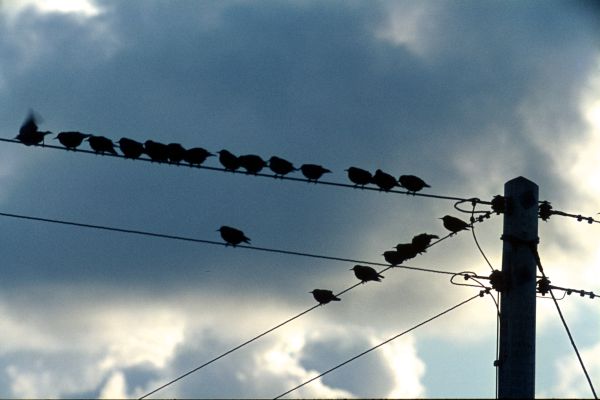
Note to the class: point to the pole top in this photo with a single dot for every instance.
(521, 180)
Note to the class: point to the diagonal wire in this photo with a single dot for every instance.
(381, 344)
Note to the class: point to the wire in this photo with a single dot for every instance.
(475, 236)
(288, 178)
(578, 217)
(381, 344)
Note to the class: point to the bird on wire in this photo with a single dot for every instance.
(366, 273)
(313, 172)
(233, 236)
(158, 152)
(131, 148)
(101, 144)
(175, 153)
(28, 132)
(412, 183)
(393, 257)
(324, 296)
(281, 166)
(384, 180)
(228, 160)
(406, 251)
(359, 176)
(454, 224)
(71, 140)
(421, 241)
(252, 163)
(196, 155)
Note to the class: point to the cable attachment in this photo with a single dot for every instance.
(545, 210)
(497, 281)
(499, 204)
(543, 286)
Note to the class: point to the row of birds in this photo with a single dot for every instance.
(175, 153)
(403, 251)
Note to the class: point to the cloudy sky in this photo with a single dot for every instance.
(466, 94)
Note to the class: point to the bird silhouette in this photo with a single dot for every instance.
(406, 251)
(324, 296)
(393, 257)
(175, 153)
(233, 236)
(421, 241)
(158, 152)
(454, 224)
(280, 166)
(28, 132)
(412, 183)
(359, 177)
(101, 144)
(71, 140)
(228, 160)
(313, 172)
(196, 155)
(252, 163)
(366, 273)
(131, 148)
(384, 180)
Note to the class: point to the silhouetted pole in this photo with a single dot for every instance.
(516, 374)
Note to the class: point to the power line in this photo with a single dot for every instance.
(480, 294)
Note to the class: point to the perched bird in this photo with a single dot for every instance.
(384, 180)
(393, 257)
(324, 296)
(406, 251)
(158, 152)
(412, 183)
(101, 144)
(421, 241)
(359, 177)
(131, 148)
(313, 172)
(29, 133)
(365, 273)
(71, 140)
(454, 224)
(280, 166)
(196, 155)
(252, 163)
(228, 160)
(175, 153)
(233, 236)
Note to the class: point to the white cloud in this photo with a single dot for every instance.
(572, 382)
(86, 8)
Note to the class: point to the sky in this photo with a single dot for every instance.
(466, 94)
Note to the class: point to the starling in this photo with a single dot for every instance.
(175, 153)
(406, 251)
(280, 166)
(313, 172)
(324, 296)
(365, 273)
(233, 236)
(252, 163)
(29, 134)
(454, 224)
(158, 152)
(101, 144)
(71, 140)
(421, 241)
(412, 183)
(196, 155)
(228, 160)
(393, 257)
(131, 148)
(384, 180)
(359, 177)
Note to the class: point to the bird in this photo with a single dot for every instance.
(252, 163)
(196, 155)
(28, 132)
(233, 236)
(406, 251)
(131, 148)
(280, 166)
(158, 152)
(229, 161)
(421, 241)
(384, 180)
(393, 257)
(101, 144)
(359, 177)
(324, 296)
(71, 140)
(175, 153)
(412, 183)
(454, 224)
(366, 273)
(313, 172)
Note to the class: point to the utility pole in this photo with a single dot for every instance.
(516, 364)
